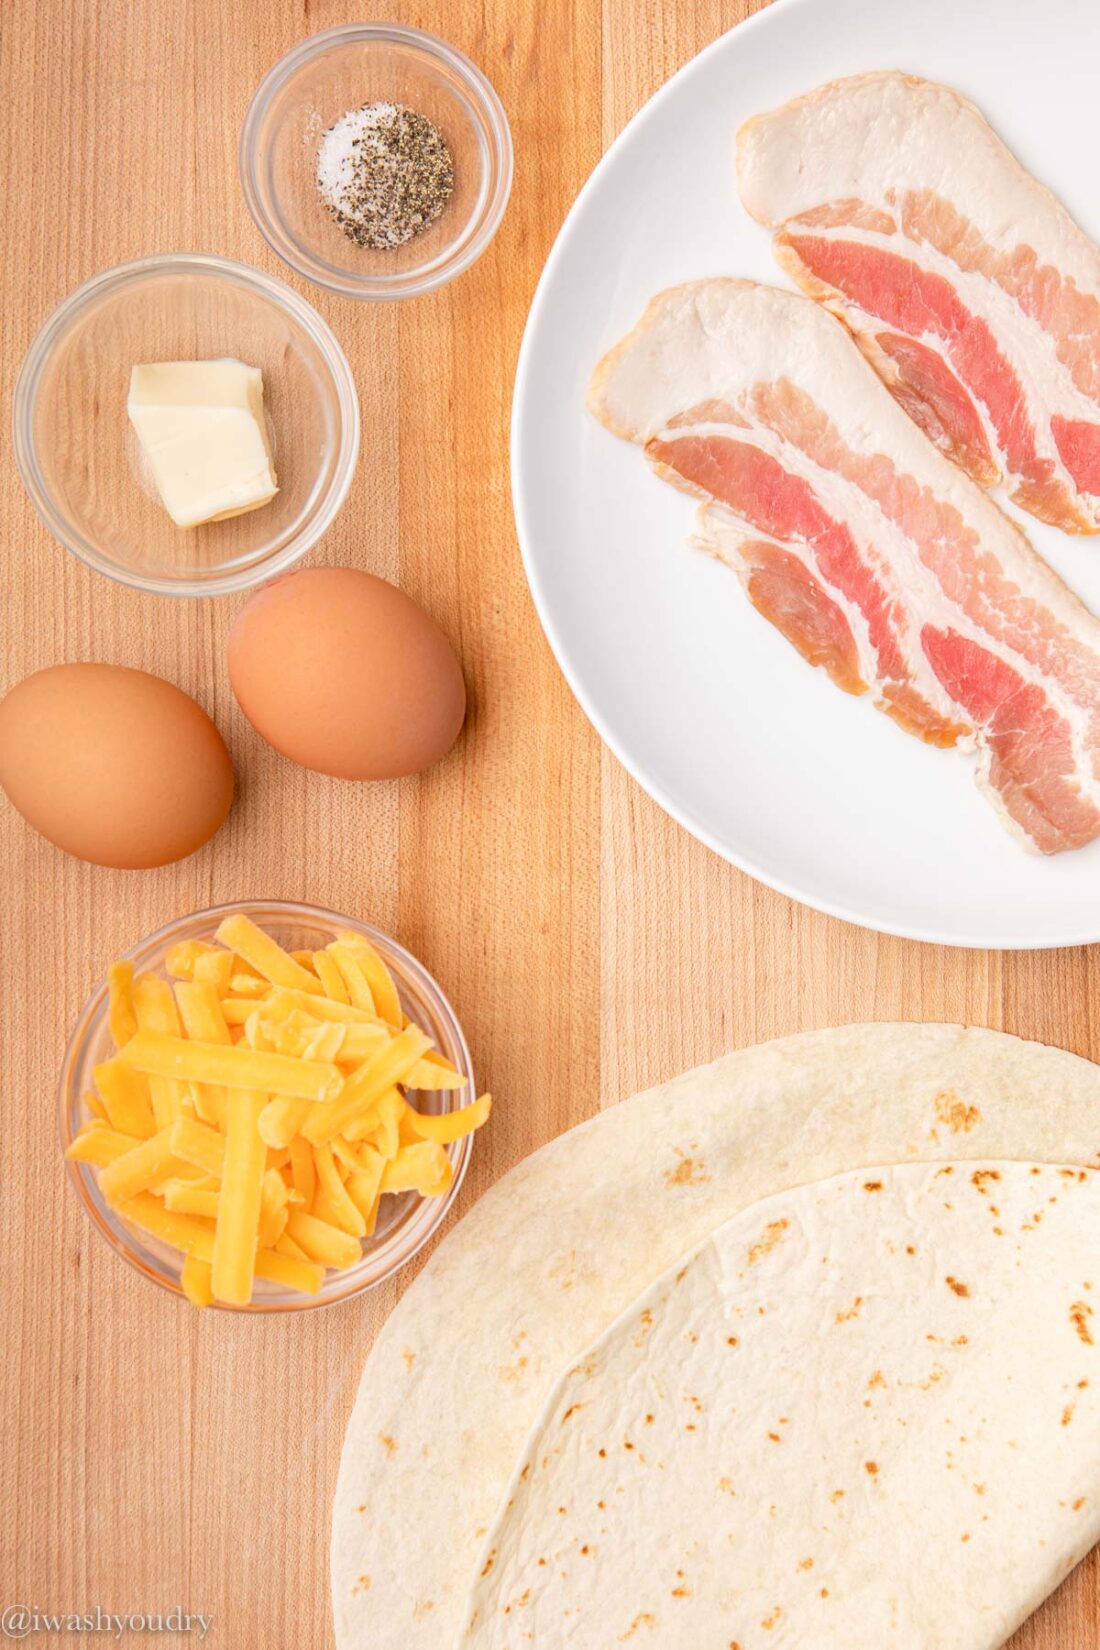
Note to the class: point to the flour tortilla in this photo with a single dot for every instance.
(554, 1252)
(865, 1413)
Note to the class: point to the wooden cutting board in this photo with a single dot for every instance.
(153, 1456)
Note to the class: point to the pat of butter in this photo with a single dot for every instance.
(201, 428)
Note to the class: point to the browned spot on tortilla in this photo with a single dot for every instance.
(775, 1438)
(362, 1507)
(964, 1538)
(1067, 1415)
(564, 1271)
(852, 1312)
(1081, 1385)
(642, 1620)
(489, 1562)
(388, 1444)
(731, 1340)
(955, 1114)
(571, 1411)
(872, 1185)
(1079, 1503)
(771, 1621)
(837, 1495)
(981, 1176)
(585, 1550)
(1079, 1314)
(877, 1379)
(602, 1453)
(773, 1231)
(979, 1489)
(909, 1249)
(513, 1372)
(824, 1592)
(627, 1444)
(806, 1564)
(423, 1609)
(526, 1473)
(956, 1287)
(409, 1356)
(726, 1486)
(649, 1420)
(871, 1467)
(689, 1171)
(681, 1592)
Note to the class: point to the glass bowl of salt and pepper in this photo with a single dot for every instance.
(376, 160)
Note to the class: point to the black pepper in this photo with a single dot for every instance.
(384, 172)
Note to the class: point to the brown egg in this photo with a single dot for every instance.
(344, 673)
(113, 765)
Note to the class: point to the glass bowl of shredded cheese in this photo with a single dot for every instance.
(376, 160)
(153, 1158)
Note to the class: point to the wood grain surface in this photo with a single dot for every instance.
(153, 1456)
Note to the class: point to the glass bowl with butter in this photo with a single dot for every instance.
(186, 425)
(405, 1222)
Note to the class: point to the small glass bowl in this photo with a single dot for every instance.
(405, 1222)
(80, 458)
(320, 80)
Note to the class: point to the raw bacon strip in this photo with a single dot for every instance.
(967, 284)
(932, 396)
(879, 561)
(783, 589)
(770, 499)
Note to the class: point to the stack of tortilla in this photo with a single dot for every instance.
(801, 1349)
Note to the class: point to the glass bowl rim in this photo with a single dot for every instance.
(433, 1211)
(40, 351)
(376, 288)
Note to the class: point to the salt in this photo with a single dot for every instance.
(385, 173)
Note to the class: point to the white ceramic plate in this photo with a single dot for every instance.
(703, 701)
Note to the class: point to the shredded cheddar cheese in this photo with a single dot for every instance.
(256, 1112)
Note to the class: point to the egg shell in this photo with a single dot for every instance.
(344, 673)
(113, 765)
